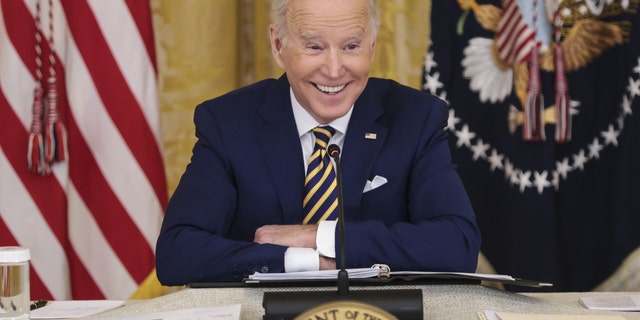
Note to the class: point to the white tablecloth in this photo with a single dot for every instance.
(440, 301)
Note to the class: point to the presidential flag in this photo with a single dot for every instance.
(544, 123)
(82, 182)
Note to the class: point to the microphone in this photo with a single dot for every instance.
(343, 275)
(402, 304)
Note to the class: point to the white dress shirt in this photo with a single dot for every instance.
(307, 259)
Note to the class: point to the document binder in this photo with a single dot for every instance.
(393, 278)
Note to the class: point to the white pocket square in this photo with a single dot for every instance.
(377, 181)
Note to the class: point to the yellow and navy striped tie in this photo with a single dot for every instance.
(320, 186)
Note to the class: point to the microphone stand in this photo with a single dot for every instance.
(343, 275)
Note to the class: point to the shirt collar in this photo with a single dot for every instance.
(305, 122)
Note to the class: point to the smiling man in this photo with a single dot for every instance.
(260, 193)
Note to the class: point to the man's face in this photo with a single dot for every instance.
(327, 54)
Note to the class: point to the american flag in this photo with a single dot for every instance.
(91, 225)
(514, 38)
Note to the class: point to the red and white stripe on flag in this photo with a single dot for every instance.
(514, 38)
(92, 224)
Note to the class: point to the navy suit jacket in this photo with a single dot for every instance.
(247, 171)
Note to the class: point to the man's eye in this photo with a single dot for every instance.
(352, 47)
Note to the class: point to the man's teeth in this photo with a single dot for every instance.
(330, 89)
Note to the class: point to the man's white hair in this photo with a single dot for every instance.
(279, 16)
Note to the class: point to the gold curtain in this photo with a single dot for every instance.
(206, 48)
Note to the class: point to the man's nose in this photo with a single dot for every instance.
(334, 66)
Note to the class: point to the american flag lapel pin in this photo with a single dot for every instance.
(370, 136)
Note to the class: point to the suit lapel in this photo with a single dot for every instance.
(280, 146)
(362, 145)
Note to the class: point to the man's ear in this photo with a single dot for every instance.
(276, 46)
(373, 49)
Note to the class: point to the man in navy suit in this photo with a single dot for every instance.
(239, 205)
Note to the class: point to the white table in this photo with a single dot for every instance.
(440, 301)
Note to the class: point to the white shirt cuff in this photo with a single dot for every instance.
(301, 259)
(326, 238)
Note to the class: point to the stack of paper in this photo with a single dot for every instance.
(619, 303)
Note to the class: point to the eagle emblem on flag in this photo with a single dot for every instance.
(495, 66)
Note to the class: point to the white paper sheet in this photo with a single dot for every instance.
(228, 312)
(74, 308)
